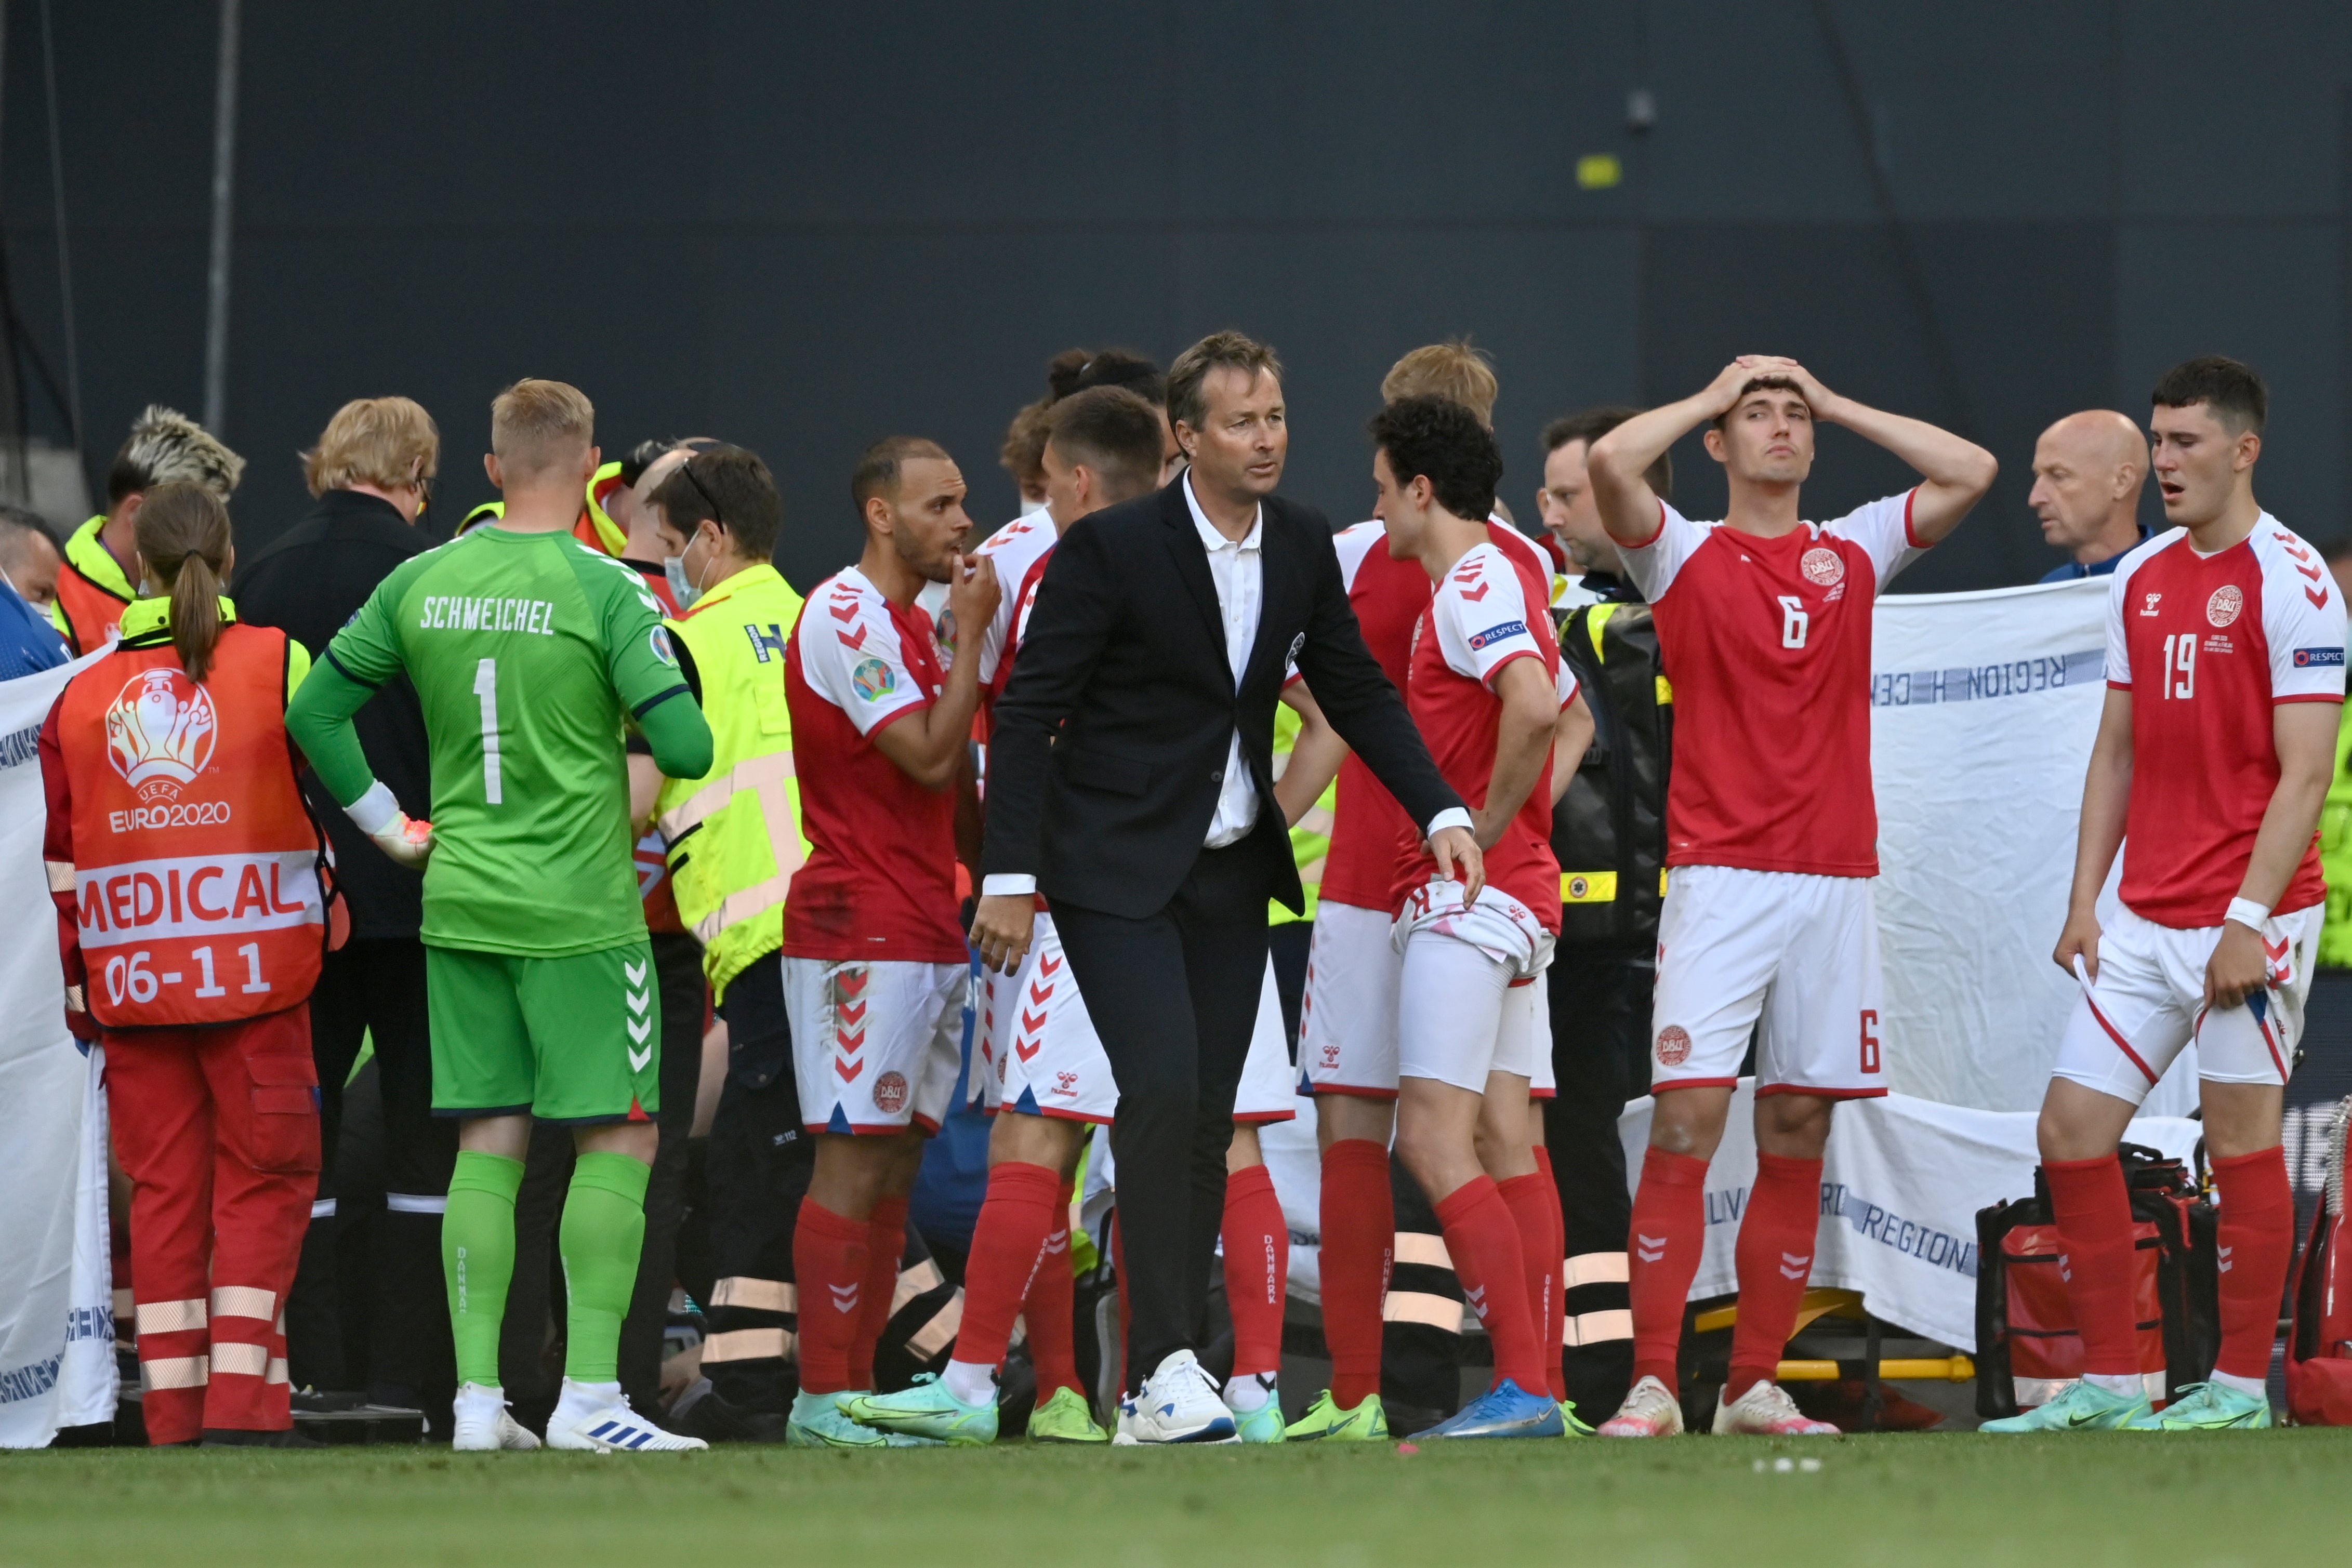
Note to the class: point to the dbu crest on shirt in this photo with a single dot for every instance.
(872, 679)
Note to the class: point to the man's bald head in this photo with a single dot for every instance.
(2088, 470)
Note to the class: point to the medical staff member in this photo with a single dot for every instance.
(192, 892)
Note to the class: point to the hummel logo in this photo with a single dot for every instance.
(2066, 1269)
(640, 1059)
(845, 1298)
(849, 641)
(1794, 1266)
(635, 972)
(1649, 1249)
(2224, 1253)
(639, 1001)
(1059, 1242)
(1477, 1301)
(1474, 594)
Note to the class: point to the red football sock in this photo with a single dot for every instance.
(1257, 1268)
(1776, 1258)
(2257, 1243)
(1523, 1195)
(1554, 1331)
(1051, 1306)
(1485, 1246)
(1669, 1231)
(885, 1243)
(1358, 1214)
(2092, 1211)
(829, 1268)
(1008, 1247)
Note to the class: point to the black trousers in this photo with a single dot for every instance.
(1174, 998)
(374, 989)
(1600, 1054)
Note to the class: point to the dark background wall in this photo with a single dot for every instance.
(801, 227)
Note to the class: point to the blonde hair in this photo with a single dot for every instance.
(535, 425)
(1452, 368)
(183, 534)
(386, 442)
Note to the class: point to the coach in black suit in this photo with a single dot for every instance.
(1130, 781)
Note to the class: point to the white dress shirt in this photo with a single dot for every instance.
(1238, 569)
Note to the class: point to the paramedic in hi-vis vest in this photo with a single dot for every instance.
(100, 579)
(733, 840)
(191, 887)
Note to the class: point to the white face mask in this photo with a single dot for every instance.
(673, 569)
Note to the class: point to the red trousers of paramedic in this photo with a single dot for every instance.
(218, 1129)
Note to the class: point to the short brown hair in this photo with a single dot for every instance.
(1590, 424)
(535, 425)
(1024, 443)
(878, 466)
(1113, 432)
(1218, 350)
(1451, 369)
(1757, 385)
(385, 442)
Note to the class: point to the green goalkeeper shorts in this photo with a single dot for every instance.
(575, 1038)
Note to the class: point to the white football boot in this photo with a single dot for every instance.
(597, 1417)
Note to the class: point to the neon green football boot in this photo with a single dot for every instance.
(2209, 1407)
(1066, 1418)
(929, 1409)
(819, 1421)
(1326, 1422)
(2079, 1407)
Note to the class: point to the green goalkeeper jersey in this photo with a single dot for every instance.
(526, 649)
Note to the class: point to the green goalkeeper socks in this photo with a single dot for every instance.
(603, 1232)
(477, 1250)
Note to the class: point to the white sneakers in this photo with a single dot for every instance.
(1177, 1404)
(1651, 1410)
(482, 1424)
(596, 1416)
(1767, 1411)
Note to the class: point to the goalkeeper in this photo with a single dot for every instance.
(527, 650)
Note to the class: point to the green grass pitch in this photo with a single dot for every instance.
(2247, 1499)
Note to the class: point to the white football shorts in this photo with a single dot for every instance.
(1052, 1062)
(1348, 1017)
(2149, 1001)
(1795, 953)
(876, 1045)
(1470, 1000)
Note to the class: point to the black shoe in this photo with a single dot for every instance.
(237, 1438)
(709, 1416)
(308, 1401)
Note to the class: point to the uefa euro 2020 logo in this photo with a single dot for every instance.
(160, 733)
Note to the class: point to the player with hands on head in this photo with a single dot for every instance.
(2216, 747)
(874, 964)
(1772, 832)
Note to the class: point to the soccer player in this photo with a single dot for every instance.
(1039, 1062)
(875, 963)
(529, 651)
(1771, 835)
(1484, 688)
(1348, 1039)
(2225, 681)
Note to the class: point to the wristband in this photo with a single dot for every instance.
(2247, 912)
(371, 811)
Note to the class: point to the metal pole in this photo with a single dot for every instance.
(224, 192)
(64, 255)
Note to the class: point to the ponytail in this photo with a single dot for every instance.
(182, 532)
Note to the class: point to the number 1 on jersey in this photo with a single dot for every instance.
(2180, 660)
(486, 686)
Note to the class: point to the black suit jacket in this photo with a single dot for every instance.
(308, 583)
(1111, 739)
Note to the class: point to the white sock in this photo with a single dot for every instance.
(1244, 1395)
(2250, 1386)
(2126, 1383)
(972, 1381)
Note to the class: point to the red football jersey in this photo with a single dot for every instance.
(1489, 611)
(1388, 596)
(1767, 643)
(2218, 642)
(881, 880)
